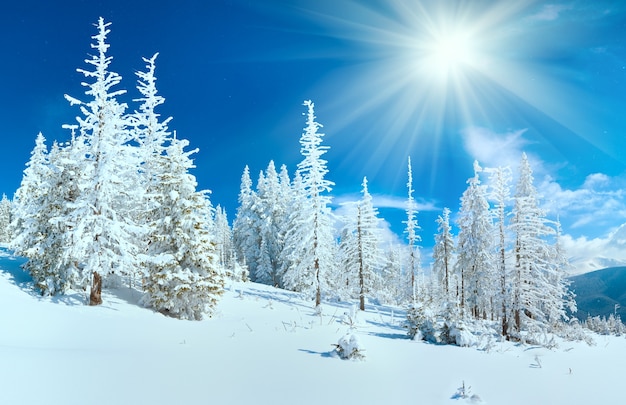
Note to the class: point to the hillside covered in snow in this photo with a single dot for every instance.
(264, 345)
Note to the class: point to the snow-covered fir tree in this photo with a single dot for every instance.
(362, 258)
(102, 225)
(393, 275)
(246, 239)
(224, 241)
(272, 206)
(184, 277)
(30, 226)
(26, 203)
(500, 179)
(310, 230)
(560, 302)
(5, 219)
(531, 289)
(443, 258)
(413, 256)
(475, 247)
(152, 135)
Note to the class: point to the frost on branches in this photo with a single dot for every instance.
(310, 239)
(117, 203)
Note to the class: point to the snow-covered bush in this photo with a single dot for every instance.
(457, 333)
(422, 323)
(349, 348)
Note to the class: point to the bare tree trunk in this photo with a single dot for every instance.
(95, 298)
(318, 293)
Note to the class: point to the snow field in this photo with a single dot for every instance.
(267, 346)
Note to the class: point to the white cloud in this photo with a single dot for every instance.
(588, 212)
(492, 149)
(600, 201)
(550, 12)
(587, 255)
(347, 207)
(387, 201)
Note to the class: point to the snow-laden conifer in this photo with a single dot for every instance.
(272, 206)
(360, 247)
(246, 238)
(500, 178)
(5, 219)
(475, 248)
(530, 280)
(413, 256)
(443, 256)
(310, 233)
(184, 277)
(102, 225)
(224, 242)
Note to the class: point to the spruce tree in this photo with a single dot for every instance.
(475, 263)
(311, 229)
(530, 283)
(360, 248)
(5, 219)
(500, 193)
(103, 229)
(443, 252)
(184, 277)
(413, 257)
(246, 239)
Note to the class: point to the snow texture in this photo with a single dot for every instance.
(261, 336)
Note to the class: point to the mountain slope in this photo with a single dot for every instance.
(268, 346)
(598, 292)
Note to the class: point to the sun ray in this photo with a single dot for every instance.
(415, 74)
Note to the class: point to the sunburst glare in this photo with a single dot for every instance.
(421, 72)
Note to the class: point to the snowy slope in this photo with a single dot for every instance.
(267, 346)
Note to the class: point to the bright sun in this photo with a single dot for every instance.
(450, 52)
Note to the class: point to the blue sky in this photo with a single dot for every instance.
(445, 82)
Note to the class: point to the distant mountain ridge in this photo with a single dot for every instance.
(599, 291)
(609, 252)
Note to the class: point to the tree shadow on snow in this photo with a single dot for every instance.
(12, 266)
(327, 355)
(401, 336)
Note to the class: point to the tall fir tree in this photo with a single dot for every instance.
(103, 230)
(5, 219)
(443, 254)
(360, 246)
(500, 178)
(311, 229)
(530, 279)
(246, 239)
(475, 263)
(413, 256)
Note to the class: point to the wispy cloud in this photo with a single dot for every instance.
(493, 149)
(600, 201)
(550, 12)
(387, 201)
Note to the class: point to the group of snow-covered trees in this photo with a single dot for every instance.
(117, 202)
(286, 234)
(512, 272)
(505, 265)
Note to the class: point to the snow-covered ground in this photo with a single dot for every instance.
(266, 346)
